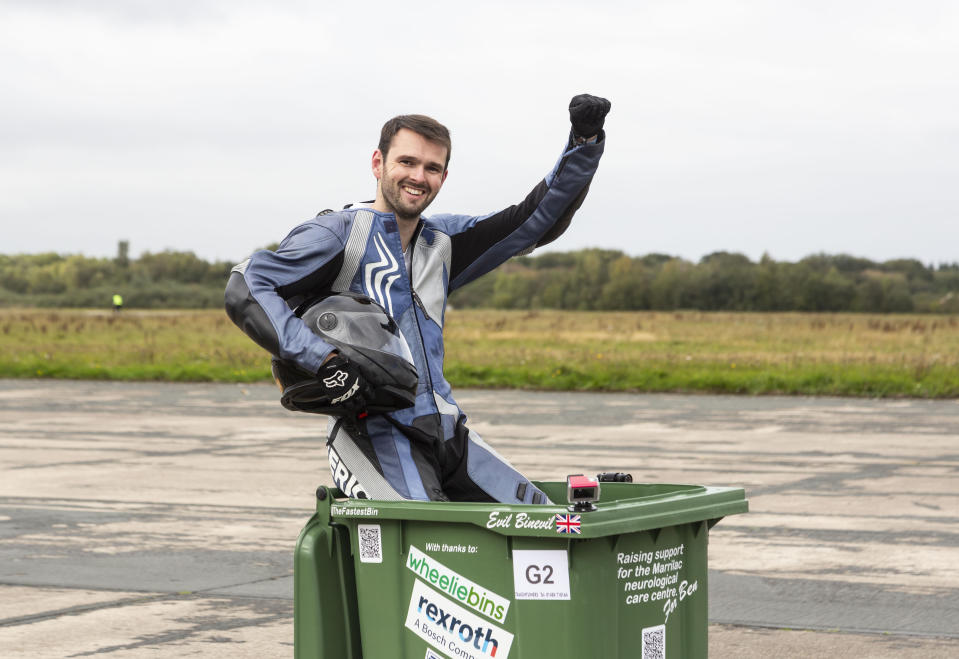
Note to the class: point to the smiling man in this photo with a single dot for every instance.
(410, 168)
(386, 251)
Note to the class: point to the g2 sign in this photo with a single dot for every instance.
(540, 574)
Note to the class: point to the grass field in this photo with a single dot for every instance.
(794, 353)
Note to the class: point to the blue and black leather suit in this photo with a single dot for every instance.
(424, 452)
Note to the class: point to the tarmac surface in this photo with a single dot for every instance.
(158, 520)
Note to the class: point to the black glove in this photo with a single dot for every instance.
(345, 385)
(587, 114)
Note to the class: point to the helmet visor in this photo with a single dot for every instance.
(358, 322)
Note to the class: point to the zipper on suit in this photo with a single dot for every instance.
(418, 303)
(416, 298)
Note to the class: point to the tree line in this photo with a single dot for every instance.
(168, 279)
(598, 279)
(588, 279)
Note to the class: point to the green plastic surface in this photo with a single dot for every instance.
(398, 580)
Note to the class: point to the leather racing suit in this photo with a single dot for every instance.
(424, 452)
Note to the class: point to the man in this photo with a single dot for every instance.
(408, 264)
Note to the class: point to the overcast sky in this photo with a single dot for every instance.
(783, 126)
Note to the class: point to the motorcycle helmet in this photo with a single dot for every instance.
(362, 331)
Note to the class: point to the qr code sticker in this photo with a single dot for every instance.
(371, 544)
(654, 642)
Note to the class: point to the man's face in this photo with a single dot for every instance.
(410, 175)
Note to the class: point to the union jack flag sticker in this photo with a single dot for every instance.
(567, 523)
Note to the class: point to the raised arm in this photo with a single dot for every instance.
(481, 243)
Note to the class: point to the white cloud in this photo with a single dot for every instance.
(788, 127)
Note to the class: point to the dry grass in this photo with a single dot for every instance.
(848, 354)
(776, 338)
(754, 352)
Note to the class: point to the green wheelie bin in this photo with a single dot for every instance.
(431, 580)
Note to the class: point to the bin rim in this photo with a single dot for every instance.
(653, 506)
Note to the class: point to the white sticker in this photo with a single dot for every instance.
(457, 586)
(455, 630)
(371, 543)
(654, 642)
(433, 654)
(541, 574)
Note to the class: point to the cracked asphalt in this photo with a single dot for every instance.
(155, 519)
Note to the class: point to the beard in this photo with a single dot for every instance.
(401, 204)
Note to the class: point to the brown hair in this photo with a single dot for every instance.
(420, 124)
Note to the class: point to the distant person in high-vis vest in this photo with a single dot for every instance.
(117, 302)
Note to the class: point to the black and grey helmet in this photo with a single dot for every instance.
(364, 333)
